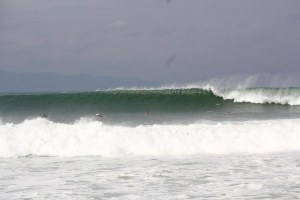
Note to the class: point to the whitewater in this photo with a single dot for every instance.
(92, 138)
(153, 143)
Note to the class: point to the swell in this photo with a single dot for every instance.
(41, 137)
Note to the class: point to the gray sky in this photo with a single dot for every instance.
(156, 40)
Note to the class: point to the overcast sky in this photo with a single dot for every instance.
(156, 40)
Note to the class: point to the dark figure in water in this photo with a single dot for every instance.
(99, 115)
(44, 116)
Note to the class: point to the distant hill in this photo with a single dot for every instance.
(53, 82)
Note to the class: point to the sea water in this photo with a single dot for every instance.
(151, 144)
(204, 176)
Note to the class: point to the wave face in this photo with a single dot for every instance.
(41, 137)
(116, 100)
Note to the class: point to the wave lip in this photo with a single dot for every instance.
(41, 137)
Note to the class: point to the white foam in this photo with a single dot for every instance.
(288, 96)
(45, 138)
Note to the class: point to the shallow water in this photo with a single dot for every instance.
(234, 176)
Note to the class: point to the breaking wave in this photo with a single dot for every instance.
(41, 137)
(289, 96)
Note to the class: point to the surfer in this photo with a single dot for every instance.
(44, 116)
(99, 116)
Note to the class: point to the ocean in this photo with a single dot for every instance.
(151, 143)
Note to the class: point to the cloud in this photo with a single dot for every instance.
(293, 18)
(118, 24)
(150, 39)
